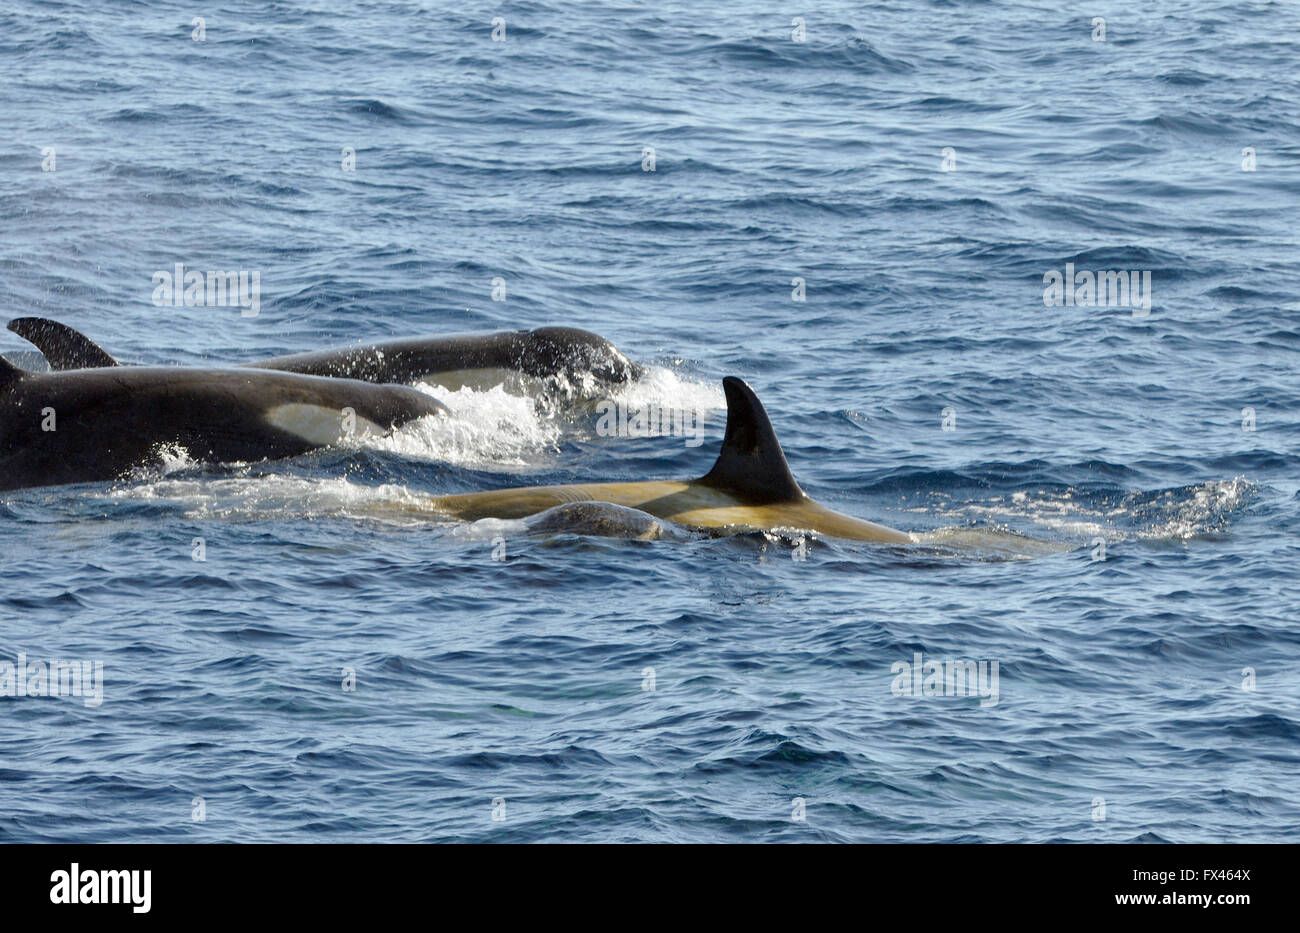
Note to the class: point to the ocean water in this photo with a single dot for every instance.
(697, 688)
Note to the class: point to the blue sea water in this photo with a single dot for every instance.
(1148, 696)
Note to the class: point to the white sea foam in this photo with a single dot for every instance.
(280, 495)
(1174, 514)
(497, 428)
(486, 429)
(666, 389)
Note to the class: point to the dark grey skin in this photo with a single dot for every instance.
(109, 420)
(542, 353)
(597, 519)
(546, 352)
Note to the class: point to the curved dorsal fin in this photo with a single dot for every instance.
(63, 347)
(752, 463)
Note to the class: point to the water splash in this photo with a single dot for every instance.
(1071, 513)
(485, 429)
(255, 498)
(665, 388)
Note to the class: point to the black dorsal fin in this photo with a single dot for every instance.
(64, 348)
(9, 373)
(752, 463)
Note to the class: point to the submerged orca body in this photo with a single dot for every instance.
(470, 359)
(598, 520)
(749, 488)
(91, 425)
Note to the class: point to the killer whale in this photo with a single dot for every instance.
(480, 360)
(91, 425)
(749, 488)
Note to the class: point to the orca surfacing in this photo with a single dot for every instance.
(91, 425)
(453, 361)
(750, 488)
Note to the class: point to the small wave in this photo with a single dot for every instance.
(845, 51)
(165, 460)
(278, 496)
(988, 542)
(1080, 514)
(378, 110)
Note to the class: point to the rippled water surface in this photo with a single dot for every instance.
(694, 688)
